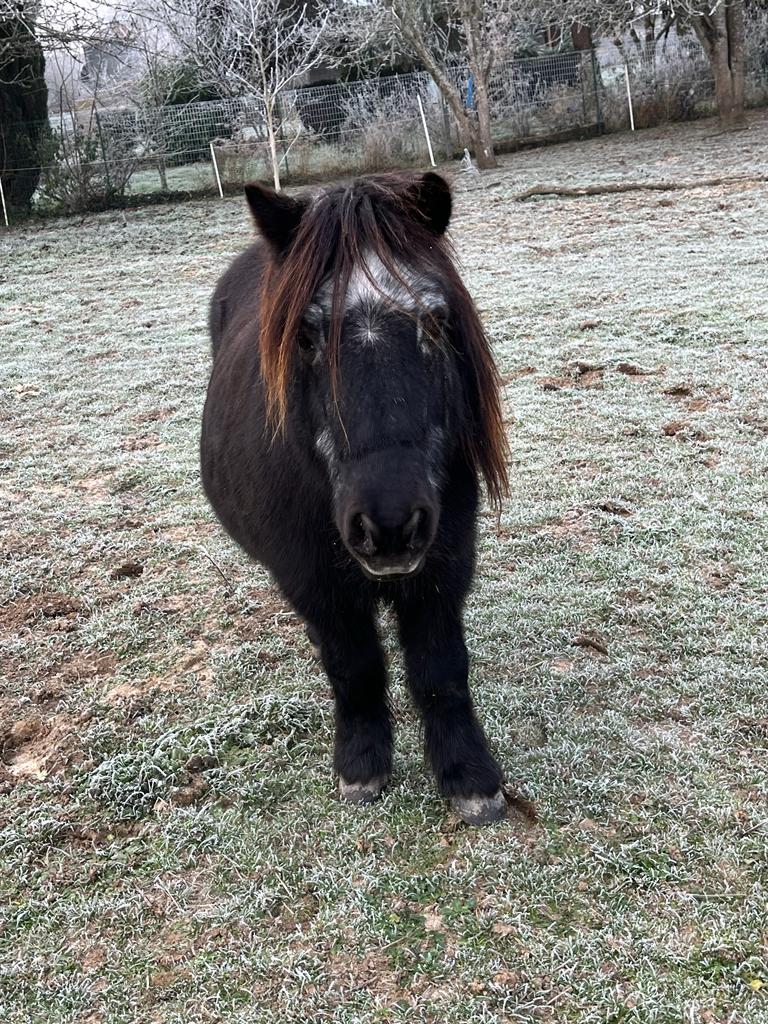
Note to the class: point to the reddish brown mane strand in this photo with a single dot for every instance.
(376, 215)
(486, 445)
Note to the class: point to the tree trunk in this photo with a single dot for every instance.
(722, 36)
(484, 154)
(161, 170)
(470, 132)
(480, 62)
(581, 36)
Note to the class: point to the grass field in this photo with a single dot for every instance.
(171, 846)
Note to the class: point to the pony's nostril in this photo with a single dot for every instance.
(411, 529)
(416, 530)
(362, 534)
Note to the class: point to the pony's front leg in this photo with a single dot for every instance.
(438, 666)
(354, 662)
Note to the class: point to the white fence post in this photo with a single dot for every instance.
(426, 130)
(216, 171)
(629, 97)
(5, 210)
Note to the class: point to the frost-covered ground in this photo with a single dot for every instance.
(171, 848)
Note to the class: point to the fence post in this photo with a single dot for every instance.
(629, 97)
(426, 130)
(5, 209)
(216, 170)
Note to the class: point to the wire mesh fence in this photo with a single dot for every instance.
(100, 157)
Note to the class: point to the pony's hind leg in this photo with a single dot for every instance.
(437, 663)
(354, 662)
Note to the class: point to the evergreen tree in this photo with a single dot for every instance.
(24, 130)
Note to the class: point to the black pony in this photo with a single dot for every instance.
(352, 406)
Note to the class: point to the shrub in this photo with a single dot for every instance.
(88, 172)
(385, 129)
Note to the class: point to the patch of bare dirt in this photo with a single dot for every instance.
(523, 371)
(575, 526)
(592, 642)
(97, 488)
(189, 534)
(193, 662)
(175, 604)
(158, 415)
(579, 374)
(97, 357)
(127, 570)
(758, 424)
(141, 442)
(698, 399)
(674, 427)
(79, 669)
(719, 575)
(561, 665)
(34, 748)
(94, 958)
(682, 390)
(372, 972)
(633, 370)
(554, 383)
(520, 808)
(54, 609)
(583, 468)
(191, 792)
(683, 430)
(270, 614)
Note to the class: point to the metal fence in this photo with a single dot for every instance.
(104, 157)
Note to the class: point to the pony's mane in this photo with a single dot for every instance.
(339, 231)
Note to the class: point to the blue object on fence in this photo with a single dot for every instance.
(471, 93)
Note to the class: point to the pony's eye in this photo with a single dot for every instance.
(306, 342)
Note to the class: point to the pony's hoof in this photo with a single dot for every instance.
(362, 792)
(480, 810)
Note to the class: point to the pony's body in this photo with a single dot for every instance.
(347, 468)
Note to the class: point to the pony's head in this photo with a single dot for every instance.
(370, 342)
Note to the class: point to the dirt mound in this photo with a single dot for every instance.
(34, 748)
(58, 610)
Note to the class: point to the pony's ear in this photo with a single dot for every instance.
(431, 195)
(277, 216)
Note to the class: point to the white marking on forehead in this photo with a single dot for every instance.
(373, 284)
(324, 445)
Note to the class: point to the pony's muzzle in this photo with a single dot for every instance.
(388, 546)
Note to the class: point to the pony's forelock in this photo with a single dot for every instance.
(339, 232)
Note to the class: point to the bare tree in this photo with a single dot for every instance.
(719, 26)
(431, 30)
(161, 76)
(457, 42)
(249, 47)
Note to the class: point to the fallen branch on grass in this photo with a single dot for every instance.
(634, 186)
